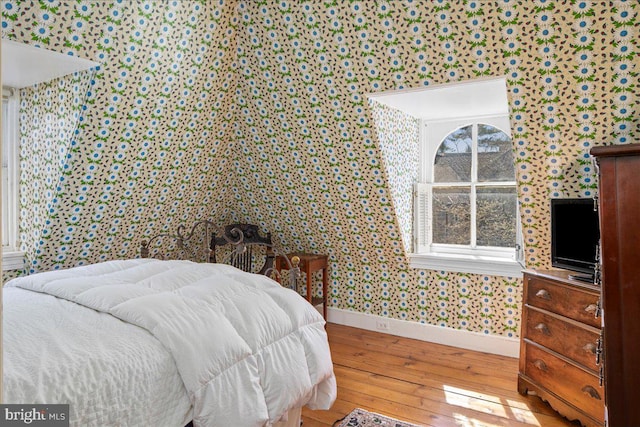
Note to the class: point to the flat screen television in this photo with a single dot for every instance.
(575, 235)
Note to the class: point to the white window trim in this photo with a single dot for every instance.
(12, 258)
(474, 264)
(487, 261)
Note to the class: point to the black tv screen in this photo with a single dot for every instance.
(575, 234)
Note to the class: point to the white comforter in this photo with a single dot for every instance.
(246, 349)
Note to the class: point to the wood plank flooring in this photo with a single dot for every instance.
(426, 384)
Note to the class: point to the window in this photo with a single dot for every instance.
(465, 211)
(11, 257)
(466, 204)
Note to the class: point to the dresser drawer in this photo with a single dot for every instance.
(569, 382)
(574, 341)
(568, 301)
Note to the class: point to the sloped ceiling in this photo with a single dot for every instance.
(256, 111)
(22, 65)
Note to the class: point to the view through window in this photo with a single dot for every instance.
(473, 191)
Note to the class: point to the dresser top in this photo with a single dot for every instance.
(616, 150)
(563, 276)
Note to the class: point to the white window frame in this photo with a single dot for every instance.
(427, 255)
(12, 257)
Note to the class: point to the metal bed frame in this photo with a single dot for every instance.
(200, 242)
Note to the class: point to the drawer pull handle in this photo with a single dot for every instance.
(591, 392)
(540, 365)
(543, 329)
(600, 343)
(591, 308)
(543, 294)
(590, 348)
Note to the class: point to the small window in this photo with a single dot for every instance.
(11, 257)
(467, 207)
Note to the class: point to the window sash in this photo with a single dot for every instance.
(9, 170)
(423, 202)
(5, 173)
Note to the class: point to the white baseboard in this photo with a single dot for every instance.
(447, 336)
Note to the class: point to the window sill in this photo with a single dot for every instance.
(13, 260)
(491, 266)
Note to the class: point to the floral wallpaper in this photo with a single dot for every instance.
(399, 136)
(49, 115)
(151, 146)
(257, 111)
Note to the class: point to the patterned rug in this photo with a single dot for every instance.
(361, 418)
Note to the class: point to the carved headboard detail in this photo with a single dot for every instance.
(244, 255)
(203, 242)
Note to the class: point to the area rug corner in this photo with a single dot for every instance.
(363, 418)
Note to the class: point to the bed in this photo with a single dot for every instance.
(165, 342)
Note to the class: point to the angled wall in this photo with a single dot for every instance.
(49, 115)
(398, 136)
(151, 148)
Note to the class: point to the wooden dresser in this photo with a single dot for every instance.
(560, 345)
(619, 193)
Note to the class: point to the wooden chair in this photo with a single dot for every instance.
(245, 248)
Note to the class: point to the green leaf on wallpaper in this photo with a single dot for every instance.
(583, 186)
(581, 108)
(628, 57)
(617, 119)
(588, 136)
(80, 16)
(482, 73)
(619, 24)
(113, 21)
(582, 161)
(550, 128)
(581, 14)
(11, 17)
(516, 53)
(553, 100)
(35, 37)
(509, 22)
(588, 47)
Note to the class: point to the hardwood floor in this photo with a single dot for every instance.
(426, 384)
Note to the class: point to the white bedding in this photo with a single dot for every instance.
(112, 373)
(246, 349)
